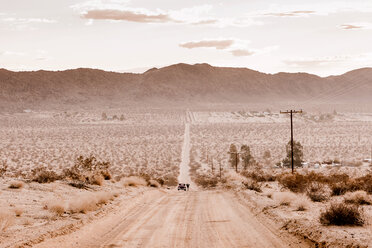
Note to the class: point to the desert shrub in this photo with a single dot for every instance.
(317, 192)
(259, 175)
(134, 181)
(43, 175)
(88, 171)
(56, 207)
(341, 214)
(358, 197)
(301, 203)
(339, 188)
(3, 168)
(16, 185)
(6, 219)
(206, 181)
(285, 198)
(252, 185)
(294, 182)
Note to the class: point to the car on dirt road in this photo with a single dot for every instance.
(181, 186)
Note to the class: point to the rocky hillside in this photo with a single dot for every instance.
(179, 85)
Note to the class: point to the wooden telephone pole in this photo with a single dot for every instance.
(291, 112)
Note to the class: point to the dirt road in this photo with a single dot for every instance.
(178, 219)
(184, 176)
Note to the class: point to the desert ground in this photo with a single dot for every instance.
(122, 192)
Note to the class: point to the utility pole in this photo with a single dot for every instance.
(212, 166)
(291, 112)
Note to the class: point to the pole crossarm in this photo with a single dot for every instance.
(292, 111)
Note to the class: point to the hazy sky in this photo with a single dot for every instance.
(317, 36)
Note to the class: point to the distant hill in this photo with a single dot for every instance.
(178, 85)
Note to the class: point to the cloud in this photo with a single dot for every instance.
(217, 44)
(349, 26)
(127, 15)
(296, 13)
(352, 26)
(11, 53)
(317, 61)
(241, 52)
(27, 20)
(235, 47)
(120, 11)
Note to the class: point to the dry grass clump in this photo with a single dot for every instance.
(252, 185)
(18, 212)
(6, 219)
(16, 185)
(134, 181)
(104, 197)
(154, 183)
(89, 201)
(83, 203)
(358, 197)
(57, 207)
(301, 203)
(318, 192)
(341, 214)
(285, 198)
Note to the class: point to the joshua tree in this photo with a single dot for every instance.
(234, 156)
(246, 156)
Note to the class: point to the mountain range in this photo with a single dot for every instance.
(179, 85)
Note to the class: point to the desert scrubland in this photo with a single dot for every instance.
(52, 198)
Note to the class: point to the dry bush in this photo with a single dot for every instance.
(88, 171)
(341, 214)
(43, 175)
(154, 183)
(6, 219)
(18, 212)
(134, 181)
(252, 185)
(318, 192)
(259, 175)
(301, 203)
(3, 168)
(206, 181)
(16, 185)
(339, 188)
(96, 179)
(358, 197)
(294, 182)
(57, 207)
(285, 198)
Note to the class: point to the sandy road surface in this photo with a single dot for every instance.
(178, 219)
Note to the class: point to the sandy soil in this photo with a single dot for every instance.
(179, 219)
